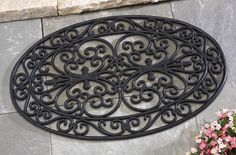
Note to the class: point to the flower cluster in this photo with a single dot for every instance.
(219, 137)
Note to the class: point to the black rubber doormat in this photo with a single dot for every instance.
(118, 77)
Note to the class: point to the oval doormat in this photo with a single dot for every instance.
(118, 77)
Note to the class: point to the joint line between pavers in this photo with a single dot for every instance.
(51, 153)
(172, 12)
(42, 29)
(6, 113)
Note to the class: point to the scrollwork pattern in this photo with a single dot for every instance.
(118, 77)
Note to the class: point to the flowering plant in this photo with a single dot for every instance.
(219, 137)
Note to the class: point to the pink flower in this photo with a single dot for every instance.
(215, 139)
(222, 145)
(193, 150)
(227, 138)
(225, 127)
(229, 114)
(198, 140)
(225, 110)
(231, 118)
(214, 150)
(208, 152)
(208, 132)
(213, 143)
(215, 125)
(202, 146)
(213, 135)
(233, 142)
(219, 141)
(218, 113)
(207, 126)
(202, 153)
(221, 115)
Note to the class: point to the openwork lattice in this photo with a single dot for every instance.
(118, 77)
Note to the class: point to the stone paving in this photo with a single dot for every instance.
(19, 137)
(28, 9)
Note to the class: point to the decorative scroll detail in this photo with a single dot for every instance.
(118, 77)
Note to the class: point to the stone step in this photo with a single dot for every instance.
(26, 9)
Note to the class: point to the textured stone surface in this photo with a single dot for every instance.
(19, 137)
(78, 6)
(175, 141)
(25, 9)
(16, 38)
(52, 24)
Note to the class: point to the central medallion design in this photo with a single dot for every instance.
(118, 77)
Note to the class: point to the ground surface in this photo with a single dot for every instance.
(19, 137)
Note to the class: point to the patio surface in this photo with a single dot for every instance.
(19, 137)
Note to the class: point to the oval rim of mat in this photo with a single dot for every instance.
(125, 123)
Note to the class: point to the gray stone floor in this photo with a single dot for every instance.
(18, 137)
